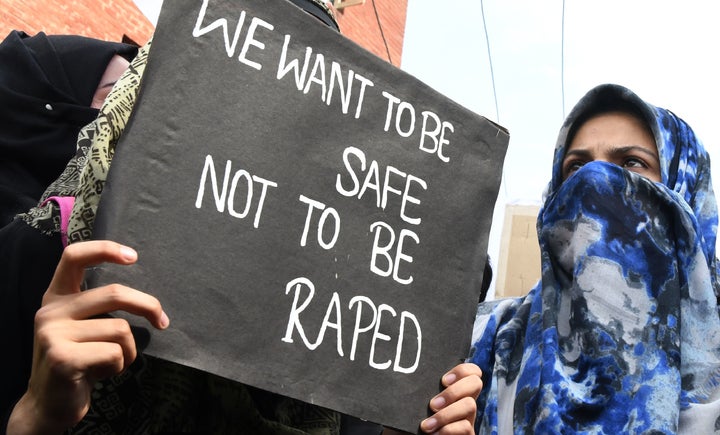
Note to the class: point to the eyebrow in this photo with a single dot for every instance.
(578, 153)
(616, 150)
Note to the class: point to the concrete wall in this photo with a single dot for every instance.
(518, 267)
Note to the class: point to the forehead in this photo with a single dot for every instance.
(612, 127)
(115, 68)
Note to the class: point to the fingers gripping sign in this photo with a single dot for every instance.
(72, 348)
(455, 406)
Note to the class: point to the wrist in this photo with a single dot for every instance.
(27, 418)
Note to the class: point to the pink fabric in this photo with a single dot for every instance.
(66, 205)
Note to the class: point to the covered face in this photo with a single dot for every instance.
(622, 334)
(618, 137)
(114, 70)
(682, 165)
(48, 85)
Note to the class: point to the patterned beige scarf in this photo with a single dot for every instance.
(156, 396)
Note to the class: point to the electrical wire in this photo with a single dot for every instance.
(377, 17)
(492, 74)
(503, 180)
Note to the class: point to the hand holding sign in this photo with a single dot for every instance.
(72, 349)
(339, 210)
(455, 407)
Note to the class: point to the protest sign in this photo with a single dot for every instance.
(313, 219)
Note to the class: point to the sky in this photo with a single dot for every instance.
(522, 57)
(665, 51)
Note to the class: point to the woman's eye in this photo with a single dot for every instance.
(633, 162)
(573, 166)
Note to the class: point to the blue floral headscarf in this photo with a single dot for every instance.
(622, 333)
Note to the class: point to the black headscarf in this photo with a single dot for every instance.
(46, 87)
(319, 10)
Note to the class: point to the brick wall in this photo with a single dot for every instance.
(102, 19)
(360, 24)
(111, 19)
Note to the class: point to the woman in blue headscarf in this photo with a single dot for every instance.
(621, 335)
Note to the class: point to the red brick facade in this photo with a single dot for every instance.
(113, 19)
(360, 24)
(103, 19)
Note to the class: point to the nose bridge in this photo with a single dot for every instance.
(599, 152)
(602, 158)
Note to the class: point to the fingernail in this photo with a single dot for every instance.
(437, 403)
(128, 253)
(449, 378)
(429, 424)
(164, 320)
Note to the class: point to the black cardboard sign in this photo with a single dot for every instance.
(313, 219)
